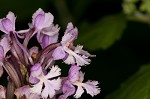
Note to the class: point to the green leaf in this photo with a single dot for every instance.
(136, 87)
(103, 33)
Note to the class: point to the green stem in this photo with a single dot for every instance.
(140, 17)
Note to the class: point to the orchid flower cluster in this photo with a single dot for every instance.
(32, 72)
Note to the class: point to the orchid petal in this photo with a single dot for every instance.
(92, 88)
(58, 53)
(79, 92)
(80, 60)
(12, 18)
(74, 73)
(68, 89)
(50, 87)
(25, 90)
(54, 72)
(37, 88)
(70, 34)
(6, 25)
(48, 19)
(5, 43)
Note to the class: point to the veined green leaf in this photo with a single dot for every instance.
(136, 87)
(103, 33)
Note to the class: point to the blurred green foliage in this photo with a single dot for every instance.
(103, 33)
(136, 87)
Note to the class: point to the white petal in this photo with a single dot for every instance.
(92, 88)
(78, 49)
(80, 60)
(69, 60)
(66, 38)
(37, 88)
(50, 87)
(81, 76)
(79, 92)
(48, 19)
(52, 30)
(54, 72)
(45, 91)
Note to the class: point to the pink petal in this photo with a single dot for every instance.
(58, 53)
(6, 25)
(39, 11)
(70, 34)
(5, 43)
(69, 27)
(68, 89)
(38, 18)
(12, 18)
(33, 80)
(36, 70)
(74, 73)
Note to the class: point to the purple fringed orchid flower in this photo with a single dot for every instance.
(68, 52)
(75, 78)
(32, 71)
(41, 20)
(50, 86)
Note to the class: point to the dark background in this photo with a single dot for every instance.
(112, 66)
